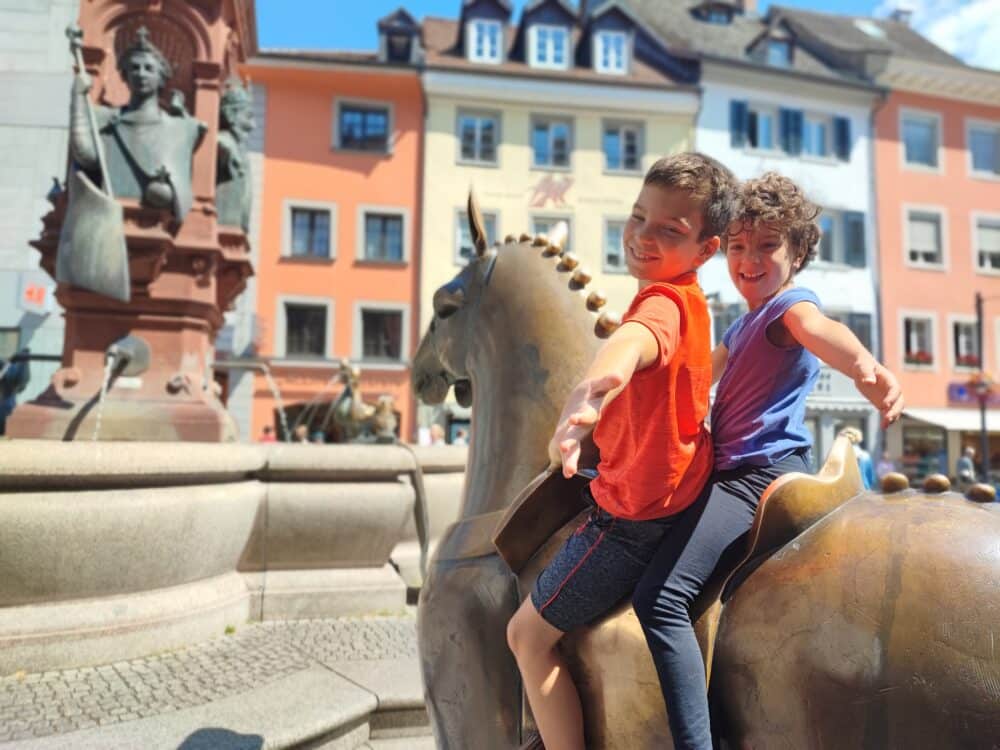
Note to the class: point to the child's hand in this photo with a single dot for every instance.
(581, 414)
(880, 387)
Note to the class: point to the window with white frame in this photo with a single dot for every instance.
(545, 225)
(478, 136)
(363, 127)
(984, 148)
(817, 131)
(761, 127)
(842, 238)
(622, 144)
(383, 239)
(965, 344)
(614, 246)
(921, 137)
(988, 244)
(551, 142)
(305, 330)
(310, 232)
(381, 335)
(484, 39)
(549, 46)
(463, 237)
(611, 52)
(918, 341)
(924, 238)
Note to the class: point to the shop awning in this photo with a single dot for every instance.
(957, 420)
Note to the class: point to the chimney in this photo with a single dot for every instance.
(902, 13)
(749, 7)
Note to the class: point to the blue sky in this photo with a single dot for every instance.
(350, 24)
(969, 29)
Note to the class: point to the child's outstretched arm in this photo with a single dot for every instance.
(836, 344)
(632, 347)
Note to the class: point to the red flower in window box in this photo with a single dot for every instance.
(919, 358)
(968, 360)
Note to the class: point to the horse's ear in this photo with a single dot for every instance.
(476, 229)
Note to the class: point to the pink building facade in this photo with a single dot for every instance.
(937, 166)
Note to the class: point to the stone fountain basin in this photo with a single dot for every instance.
(63, 545)
(114, 550)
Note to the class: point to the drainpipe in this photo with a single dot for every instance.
(876, 245)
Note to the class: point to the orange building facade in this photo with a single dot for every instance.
(339, 222)
(937, 165)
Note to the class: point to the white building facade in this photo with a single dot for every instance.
(744, 122)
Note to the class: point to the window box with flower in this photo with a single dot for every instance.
(919, 358)
(968, 360)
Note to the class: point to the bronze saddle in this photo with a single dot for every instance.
(609, 659)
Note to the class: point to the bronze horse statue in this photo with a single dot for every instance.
(851, 619)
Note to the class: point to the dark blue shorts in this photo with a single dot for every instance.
(597, 568)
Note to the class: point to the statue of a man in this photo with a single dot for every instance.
(233, 191)
(148, 148)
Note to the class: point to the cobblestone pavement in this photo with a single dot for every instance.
(45, 703)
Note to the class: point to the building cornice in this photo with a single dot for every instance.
(949, 81)
(561, 93)
(767, 80)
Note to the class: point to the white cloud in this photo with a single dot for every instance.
(968, 29)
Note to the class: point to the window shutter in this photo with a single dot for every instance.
(842, 138)
(738, 123)
(854, 236)
(791, 131)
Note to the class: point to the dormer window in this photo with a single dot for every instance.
(611, 52)
(399, 47)
(718, 16)
(484, 39)
(779, 53)
(549, 46)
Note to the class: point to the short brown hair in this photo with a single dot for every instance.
(708, 182)
(776, 201)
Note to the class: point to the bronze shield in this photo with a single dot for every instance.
(92, 252)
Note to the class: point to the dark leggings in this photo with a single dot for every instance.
(716, 524)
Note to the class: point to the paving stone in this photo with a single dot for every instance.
(53, 703)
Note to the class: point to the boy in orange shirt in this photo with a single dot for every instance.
(647, 390)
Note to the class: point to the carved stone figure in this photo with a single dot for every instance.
(868, 627)
(233, 190)
(148, 147)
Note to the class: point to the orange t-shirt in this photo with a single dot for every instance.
(656, 453)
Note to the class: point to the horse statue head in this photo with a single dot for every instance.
(512, 333)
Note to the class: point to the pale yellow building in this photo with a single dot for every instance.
(556, 118)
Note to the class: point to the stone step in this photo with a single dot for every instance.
(311, 708)
(401, 743)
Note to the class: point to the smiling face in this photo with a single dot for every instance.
(761, 263)
(662, 236)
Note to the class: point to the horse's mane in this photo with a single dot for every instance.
(605, 322)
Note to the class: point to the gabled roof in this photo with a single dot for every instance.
(533, 4)
(505, 4)
(443, 52)
(399, 20)
(847, 33)
(683, 33)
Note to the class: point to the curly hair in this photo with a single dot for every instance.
(777, 202)
(707, 181)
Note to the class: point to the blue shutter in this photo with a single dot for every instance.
(738, 123)
(791, 131)
(842, 138)
(854, 238)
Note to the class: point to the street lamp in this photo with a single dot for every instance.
(982, 386)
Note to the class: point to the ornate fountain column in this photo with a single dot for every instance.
(161, 88)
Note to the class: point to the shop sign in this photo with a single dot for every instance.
(964, 395)
(35, 295)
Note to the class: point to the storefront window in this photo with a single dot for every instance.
(924, 451)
